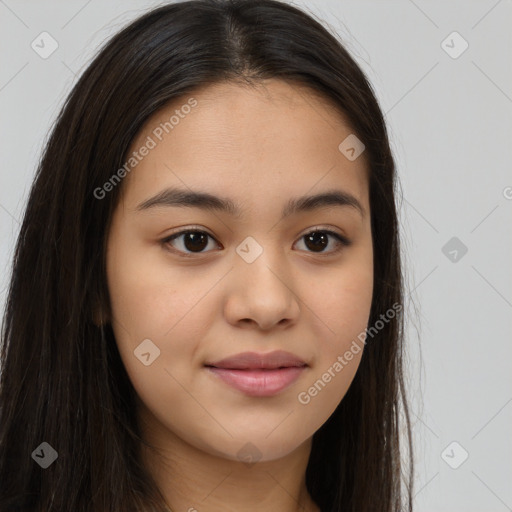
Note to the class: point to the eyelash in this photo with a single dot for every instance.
(342, 241)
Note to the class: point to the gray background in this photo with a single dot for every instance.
(450, 124)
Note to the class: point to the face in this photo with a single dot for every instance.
(249, 279)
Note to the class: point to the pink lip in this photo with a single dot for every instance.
(259, 382)
(255, 360)
(257, 374)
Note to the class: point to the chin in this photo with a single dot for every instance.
(255, 448)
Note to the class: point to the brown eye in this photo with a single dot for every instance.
(318, 240)
(193, 241)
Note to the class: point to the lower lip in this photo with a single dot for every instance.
(259, 382)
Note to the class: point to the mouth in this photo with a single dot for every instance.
(259, 375)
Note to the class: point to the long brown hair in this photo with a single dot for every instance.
(62, 379)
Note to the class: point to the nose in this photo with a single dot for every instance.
(262, 292)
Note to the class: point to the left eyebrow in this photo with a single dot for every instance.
(175, 197)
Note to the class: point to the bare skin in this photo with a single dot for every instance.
(259, 147)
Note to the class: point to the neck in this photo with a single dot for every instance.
(194, 480)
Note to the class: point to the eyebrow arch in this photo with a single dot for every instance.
(172, 197)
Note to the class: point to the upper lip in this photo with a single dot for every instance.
(254, 360)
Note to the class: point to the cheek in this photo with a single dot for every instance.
(344, 305)
(152, 301)
(341, 306)
(341, 299)
(148, 297)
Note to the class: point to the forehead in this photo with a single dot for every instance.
(265, 140)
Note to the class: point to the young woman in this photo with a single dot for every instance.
(205, 306)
